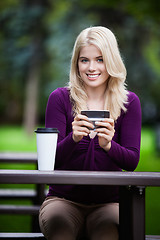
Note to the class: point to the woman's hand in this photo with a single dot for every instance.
(105, 133)
(80, 127)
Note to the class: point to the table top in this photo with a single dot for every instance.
(81, 177)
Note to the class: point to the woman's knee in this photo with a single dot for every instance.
(107, 213)
(103, 222)
(59, 217)
(108, 231)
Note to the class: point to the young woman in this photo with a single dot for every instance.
(97, 82)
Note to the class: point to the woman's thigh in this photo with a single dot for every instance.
(58, 216)
(104, 221)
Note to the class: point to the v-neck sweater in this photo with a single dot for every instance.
(87, 155)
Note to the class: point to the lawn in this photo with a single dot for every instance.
(15, 139)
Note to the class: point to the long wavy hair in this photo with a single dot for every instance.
(116, 92)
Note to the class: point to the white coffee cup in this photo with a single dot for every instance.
(46, 148)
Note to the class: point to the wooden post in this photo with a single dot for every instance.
(132, 213)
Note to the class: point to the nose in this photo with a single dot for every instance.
(92, 66)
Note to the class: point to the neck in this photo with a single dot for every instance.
(95, 93)
(95, 100)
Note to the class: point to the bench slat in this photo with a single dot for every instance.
(22, 236)
(17, 193)
(19, 209)
(40, 236)
(8, 157)
(152, 237)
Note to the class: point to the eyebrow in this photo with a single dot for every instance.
(87, 57)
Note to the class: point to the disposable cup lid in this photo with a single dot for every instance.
(47, 130)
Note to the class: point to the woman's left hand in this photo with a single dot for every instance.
(105, 133)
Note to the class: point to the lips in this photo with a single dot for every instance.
(93, 76)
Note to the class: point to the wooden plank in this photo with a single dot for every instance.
(21, 236)
(17, 193)
(152, 237)
(40, 236)
(10, 157)
(20, 193)
(80, 177)
(18, 209)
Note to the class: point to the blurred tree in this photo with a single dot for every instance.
(22, 44)
(36, 41)
(36, 10)
(69, 19)
(136, 23)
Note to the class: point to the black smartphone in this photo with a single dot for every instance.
(96, 115)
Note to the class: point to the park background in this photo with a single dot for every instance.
(36, 40)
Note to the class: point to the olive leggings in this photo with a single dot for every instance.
(61, 219)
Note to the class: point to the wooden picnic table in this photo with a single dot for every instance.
(132, 191)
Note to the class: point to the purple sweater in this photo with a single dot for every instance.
(87, 154)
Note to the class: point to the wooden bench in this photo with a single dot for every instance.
(36, 195)
(39, 236)
(132, 192)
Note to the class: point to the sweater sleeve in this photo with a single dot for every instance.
(56, 117)
(126, 153)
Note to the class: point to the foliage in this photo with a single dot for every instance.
(52, 27)
(136, 23)
(20, 28)
(69, 19)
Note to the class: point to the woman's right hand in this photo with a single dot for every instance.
(80, 127)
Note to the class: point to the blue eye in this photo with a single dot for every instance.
(100, 60)
(84, 60)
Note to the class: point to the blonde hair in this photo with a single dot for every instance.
(116, 93)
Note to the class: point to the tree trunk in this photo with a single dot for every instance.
(35, 63)
(31, 99)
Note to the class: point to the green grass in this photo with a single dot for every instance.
(15, 139)
(149, 158)
(15, 222)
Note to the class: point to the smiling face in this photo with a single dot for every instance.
(92, 68)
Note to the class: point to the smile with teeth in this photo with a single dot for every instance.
(93, 75)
